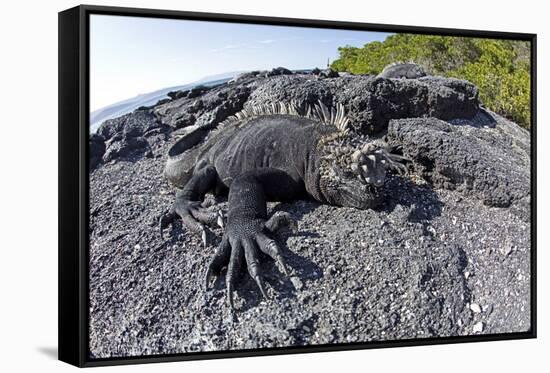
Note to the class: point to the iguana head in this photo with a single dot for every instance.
(352, 176)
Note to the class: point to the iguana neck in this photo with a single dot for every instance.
(312, 177)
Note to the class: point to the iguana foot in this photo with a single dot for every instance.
(194, 217)
(243, 239)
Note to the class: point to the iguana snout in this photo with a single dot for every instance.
(369, 165)
(353, 177)
(371, 162)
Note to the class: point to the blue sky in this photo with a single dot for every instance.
(133, 55)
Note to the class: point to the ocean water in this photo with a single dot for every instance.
(147, 99)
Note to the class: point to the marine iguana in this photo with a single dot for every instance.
(275, 152)
(402, 70)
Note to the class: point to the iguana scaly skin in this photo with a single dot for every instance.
(402, 70)
(276, 152)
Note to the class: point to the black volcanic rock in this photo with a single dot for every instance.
(123, 137)
(97, 149)
(177, 94)
(245, 76)
(449, 248)
(329, 73)
(131, 125)
(371, 102)
(185, 120)
(213, 106)
(491, 162)
(278, 71)
(316, 71)
(195, 91)
(126, 148)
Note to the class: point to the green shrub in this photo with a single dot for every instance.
(499, 68)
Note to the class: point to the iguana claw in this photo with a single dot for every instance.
(193, 216)
(240, 247)
(203, 236)
(220, 220)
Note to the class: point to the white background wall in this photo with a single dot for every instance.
(28, 197)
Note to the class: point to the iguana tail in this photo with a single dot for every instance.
(180, 163)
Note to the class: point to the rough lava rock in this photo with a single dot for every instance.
(129, 137)
(447, 252)
(207, 107)
(327, 73)
(278, 71)
(491, 162)
(371, 102)
(97, 149)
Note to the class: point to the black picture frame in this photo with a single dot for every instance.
(74, 188)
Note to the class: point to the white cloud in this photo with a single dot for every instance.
(252, 45)
(227, 47)
(337, 40)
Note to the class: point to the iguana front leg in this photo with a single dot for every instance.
(188, 203)
(248, 230)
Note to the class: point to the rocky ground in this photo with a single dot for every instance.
(448, 254)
